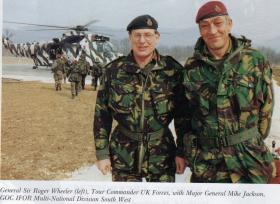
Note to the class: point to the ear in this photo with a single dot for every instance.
(230, 24)
(157, 37)
(130, 36)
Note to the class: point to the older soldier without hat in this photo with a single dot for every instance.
(142, 93)
(229, 88)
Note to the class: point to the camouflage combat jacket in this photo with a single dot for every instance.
(84, 66)
(229, 100)
(96, 69)
(75, 73)
(141, 101)
(58, 65)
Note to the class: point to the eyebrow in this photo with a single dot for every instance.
(213, 18)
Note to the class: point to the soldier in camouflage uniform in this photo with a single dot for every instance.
(85, 67)
(58, 69)
(67, 65)
(142, 93)
(96, 72)
(75, 77)
(229, 88)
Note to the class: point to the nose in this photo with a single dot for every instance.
(142, 39)
(212, 29)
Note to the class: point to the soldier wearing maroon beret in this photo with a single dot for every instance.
(211, 9)
(229, 88)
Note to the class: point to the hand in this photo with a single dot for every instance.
(180, 165)
(278, 151)
(104, 166)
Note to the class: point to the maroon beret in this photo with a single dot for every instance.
(211, 9)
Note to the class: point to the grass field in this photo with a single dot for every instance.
(276, 74)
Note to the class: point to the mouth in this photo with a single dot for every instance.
(213, 38)
(142, 48)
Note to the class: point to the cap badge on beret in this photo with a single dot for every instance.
(217, 8)
(149, 22)
(142, 22)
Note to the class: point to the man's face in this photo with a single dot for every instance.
(143, 42)
(215, 31)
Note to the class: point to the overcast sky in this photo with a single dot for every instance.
(259, 16)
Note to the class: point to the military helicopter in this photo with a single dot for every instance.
(76, 40)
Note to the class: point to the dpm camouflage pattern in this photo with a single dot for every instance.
(75, 77)
(96, 72)
(85, 67)
(227, 98)
(123, 86)
(58, 69)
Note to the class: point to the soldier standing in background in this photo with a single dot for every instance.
(85, 67)
(142, 92)
(67, 65)
(58, 69)
(96, 72)
(229, 88)
(75, 77)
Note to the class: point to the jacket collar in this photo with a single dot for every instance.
(234, 52)
(131, 66)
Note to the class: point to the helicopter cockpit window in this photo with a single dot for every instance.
(108, 48)
(99, 46)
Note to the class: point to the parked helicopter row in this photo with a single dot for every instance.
(98, 48)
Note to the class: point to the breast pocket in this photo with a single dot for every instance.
(201, 93)
(122, 97)
(245, 93)
(163, 103)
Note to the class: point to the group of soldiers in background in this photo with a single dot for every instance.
(76, 73)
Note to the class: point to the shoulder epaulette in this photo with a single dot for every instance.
(245, 41)
(114, 61)
(168, 57)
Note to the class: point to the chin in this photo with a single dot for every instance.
(142, 54)
(216, 46)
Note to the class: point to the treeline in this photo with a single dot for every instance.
(181, 53)
(271, 55)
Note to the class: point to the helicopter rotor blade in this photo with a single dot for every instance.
(90, 22)
(48, 29)
(33, 24)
